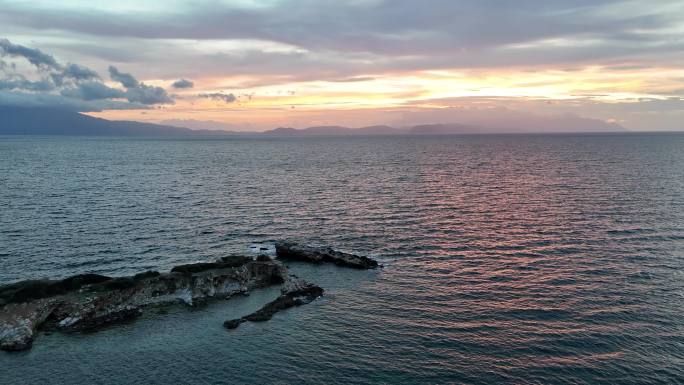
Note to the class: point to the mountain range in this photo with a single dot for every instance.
(49, 121)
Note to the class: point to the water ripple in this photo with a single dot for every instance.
(522, 260)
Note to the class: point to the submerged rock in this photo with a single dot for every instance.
(89, 302)
(296, 251)
(295, 292)
(232, 324)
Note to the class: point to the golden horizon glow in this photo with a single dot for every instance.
(264, 106)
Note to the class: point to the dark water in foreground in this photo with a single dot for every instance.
(509, 259)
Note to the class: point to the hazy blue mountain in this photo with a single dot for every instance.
(283, 131)
(52, 121)
(335, 131)
(550, 125)
(438, 129)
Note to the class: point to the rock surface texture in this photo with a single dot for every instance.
(306, 253)
(90, 301)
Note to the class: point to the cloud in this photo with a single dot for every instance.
(24, 99)
(126, 80)
(397, 27)
(325, 39)
(148, 95)
(93, 91)
(72, 85)
(137, 91)
(219, 96)
(183, 83)
(73, 72)
(76, 71)
(353, 79)
(18, 82)
(140, 95)
(34, 56)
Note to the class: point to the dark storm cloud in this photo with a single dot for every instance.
(183, 83)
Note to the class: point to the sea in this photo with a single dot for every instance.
(508, 259)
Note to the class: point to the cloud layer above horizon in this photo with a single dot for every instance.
(252, 63)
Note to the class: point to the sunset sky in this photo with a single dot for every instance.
(258, 64)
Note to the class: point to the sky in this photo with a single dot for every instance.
(259, 64)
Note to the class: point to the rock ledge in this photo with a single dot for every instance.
(318, 255)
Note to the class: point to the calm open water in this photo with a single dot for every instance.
(509, 259)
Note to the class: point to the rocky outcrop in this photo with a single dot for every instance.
(295, 292)
(300, 252)
(91, 301)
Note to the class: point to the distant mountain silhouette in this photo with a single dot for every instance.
(283, 131)
(441, 129)
(555, 125)
(334, 131)
(427, 129)
(52, 121)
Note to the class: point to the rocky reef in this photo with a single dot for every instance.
(312, 254)
(295, 292)
(89, 302)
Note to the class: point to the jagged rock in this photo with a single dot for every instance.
(16, 337)
(295, 292)
(296, 251)
(89, 302)
(17, 330)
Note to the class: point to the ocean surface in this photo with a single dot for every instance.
(525, 259)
